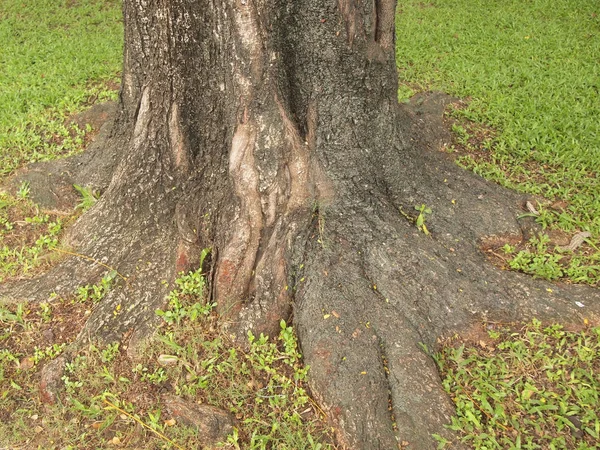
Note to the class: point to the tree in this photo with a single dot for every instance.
(270, 132)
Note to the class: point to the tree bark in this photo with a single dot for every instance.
(270, 132)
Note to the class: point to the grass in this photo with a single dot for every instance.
(532, 387)
(27, 235)
(57, 56)
(528, 75)
(110, 399)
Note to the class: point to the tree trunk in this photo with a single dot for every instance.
(270, 132)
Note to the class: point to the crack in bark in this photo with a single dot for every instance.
(177, 142)
(386, 373)
(351, 19)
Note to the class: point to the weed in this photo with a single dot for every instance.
(96, 292)
(88, 197)
(49, 352)
(27, 236)
(420, 221)
(23, 191)
(532, 388)
(18, 317)
(188, 285)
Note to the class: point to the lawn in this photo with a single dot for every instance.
(56, 58)
(528, 74)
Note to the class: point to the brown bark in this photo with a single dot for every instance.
(270, 132)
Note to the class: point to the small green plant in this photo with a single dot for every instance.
(24, 189)
(45, 311)
(461, 134)
(96, 292)
(423, 211)
(108, 354)
(508, 249)
(156, 376)
(190, 285)
(88, 197)
(49, 352)
(543, 259)
(17, 317)
(533, 388)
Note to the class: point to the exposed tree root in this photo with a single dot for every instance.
(380, 288)
(367, 286)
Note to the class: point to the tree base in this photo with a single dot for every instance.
(368, 287)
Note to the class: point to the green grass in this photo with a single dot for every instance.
(529, 388)
(27, 236)
(531, 75)
(56, 56)
(108, 396)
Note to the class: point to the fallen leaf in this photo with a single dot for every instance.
(26, 364)
(167, 360)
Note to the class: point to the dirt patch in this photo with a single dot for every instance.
(492, 247)
(91, 120)
(95, 116)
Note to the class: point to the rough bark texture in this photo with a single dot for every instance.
(270, 132)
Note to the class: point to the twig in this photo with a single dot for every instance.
(90, 259)
(158, 433)
(509, 428)
(576, 241)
